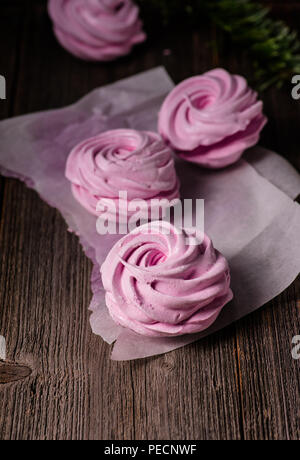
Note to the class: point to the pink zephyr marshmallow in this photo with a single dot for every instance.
(96, 30)
(212, 119)
(123, 160)
(158, 284)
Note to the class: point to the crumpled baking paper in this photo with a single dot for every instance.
(249, 209)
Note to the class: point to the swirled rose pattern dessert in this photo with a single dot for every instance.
(162, 282)
(211, 119)
(97, 30)
(136, 162)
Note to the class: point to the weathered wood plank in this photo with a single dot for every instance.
(10, 35)
(269, 375)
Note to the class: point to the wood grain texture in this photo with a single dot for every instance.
(241, 383)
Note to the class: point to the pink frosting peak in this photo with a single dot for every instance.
(212, 118)
(136, 162)
(159, 284)
(96, 30)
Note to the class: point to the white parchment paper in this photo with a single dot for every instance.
(249, 209)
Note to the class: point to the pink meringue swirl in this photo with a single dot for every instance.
(97, 30)
(211, 119)
(136, 162)
(158, 284)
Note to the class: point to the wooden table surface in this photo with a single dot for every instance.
(58, 381)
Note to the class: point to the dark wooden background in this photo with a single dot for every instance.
(59, 382)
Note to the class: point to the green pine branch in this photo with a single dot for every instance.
(273, 48)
